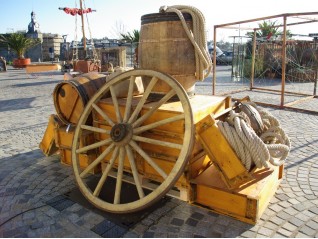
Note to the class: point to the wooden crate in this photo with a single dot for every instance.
(48, 143)
(246, 202)
(220, 152)
(84, 159)
(64, 138)
(173, 132)
(85, 66)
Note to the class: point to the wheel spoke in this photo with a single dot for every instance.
(97, 160)
(95, 129)
(94, 146)
(129, 98)
(116, 105)
(143, 100)
(157, 142)
(119, 175)
(154, 108)
(106, 172)
(134, 171)
(157, 124)
(147, 158)
(105, 116)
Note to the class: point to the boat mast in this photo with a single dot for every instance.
(83, 29)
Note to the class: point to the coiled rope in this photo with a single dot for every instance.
(197, 37)
(272, 146)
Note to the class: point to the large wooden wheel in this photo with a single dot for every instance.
(124, 138)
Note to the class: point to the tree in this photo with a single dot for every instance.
(267, 29)
(131, 37)
(118, 29)
(18, 43)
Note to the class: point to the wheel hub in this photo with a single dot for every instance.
(121, 132)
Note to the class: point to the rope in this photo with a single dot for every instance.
(272, 146)
(95, 57)
(75, 52)
(197, 37)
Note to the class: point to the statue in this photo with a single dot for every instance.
(33, 27)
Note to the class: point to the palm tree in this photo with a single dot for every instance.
(268, 29)
(132, 38)
(18, 43)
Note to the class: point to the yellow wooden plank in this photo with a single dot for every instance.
(84, 159)
(220, 152)
(41, 67)
(48, 143)
(221, 200)
(64, 137)
(253, 197)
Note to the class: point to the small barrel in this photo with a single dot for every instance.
(71, 96)
(164, 46)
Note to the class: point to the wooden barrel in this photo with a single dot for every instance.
(71, 96)
(164, 46)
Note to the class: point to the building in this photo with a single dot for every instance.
(48, 43)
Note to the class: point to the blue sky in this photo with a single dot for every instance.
(127, 13)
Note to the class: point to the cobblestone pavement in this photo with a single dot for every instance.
(37, 192)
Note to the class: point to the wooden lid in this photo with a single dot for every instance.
(163, 17)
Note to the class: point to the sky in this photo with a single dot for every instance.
(110, 16)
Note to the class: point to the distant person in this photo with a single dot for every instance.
(3, 63)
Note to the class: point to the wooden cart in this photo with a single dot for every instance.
(162, 141)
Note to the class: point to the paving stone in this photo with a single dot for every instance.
(130, 235)
(177, 222)
(313, 225)
(115, 232)
(290, 227)
(191, 222)
(301, 235)
(297, 222)
(270, 225)
(302, 216)
(265, 232)
(197, 215)
(284, 232)
(148, 235)
(307, 231)
(248, 234)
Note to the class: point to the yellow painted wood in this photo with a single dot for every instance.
(130, 143)
(64, 138)
(64, 141)
(198, 165)
(246, 202)
(84, 159)
(172, 132)
(150, 173)
(42, 67)
(221, 153)
(107, 106)
(202, 105)
(48, 144)
(71, 96)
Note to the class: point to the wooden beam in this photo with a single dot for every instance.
(283, 62)
(214, 62)
(253, 60)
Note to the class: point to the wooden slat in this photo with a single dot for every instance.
(221, 153)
